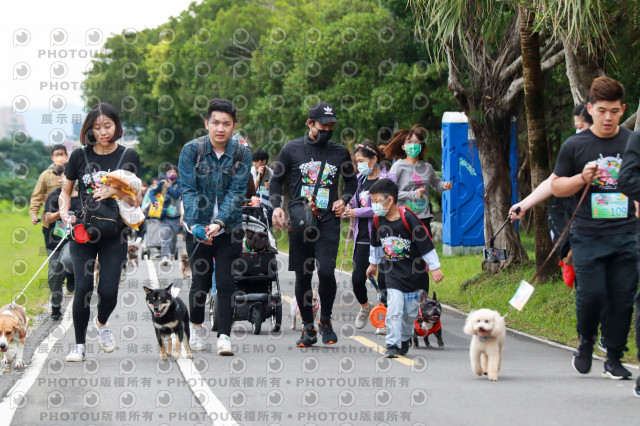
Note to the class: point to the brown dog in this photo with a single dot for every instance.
(132, 254)
(13, 327)
(185, 268)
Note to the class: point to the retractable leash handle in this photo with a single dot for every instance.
(493, 237)
(377, 287)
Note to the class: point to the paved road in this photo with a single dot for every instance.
(270, 381)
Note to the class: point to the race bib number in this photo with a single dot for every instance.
(613, 205)
(418, 205)
(322, 198)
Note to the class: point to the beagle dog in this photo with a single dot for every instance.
(13, 327)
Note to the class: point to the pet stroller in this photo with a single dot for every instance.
(255, 274)
(153, 240)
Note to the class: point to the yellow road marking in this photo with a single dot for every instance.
(373, 345)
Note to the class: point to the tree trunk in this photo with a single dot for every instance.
(537, 137)
(581, 70)
(492, 140)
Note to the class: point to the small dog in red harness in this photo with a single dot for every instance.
(428, 322)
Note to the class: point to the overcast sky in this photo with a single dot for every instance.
(46, 46)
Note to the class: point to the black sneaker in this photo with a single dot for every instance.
(636, 390)
(56, 313)
(614, 370)
(582, 357)
(404, 349)
(309, 336)
(392, 352)
(328, 335)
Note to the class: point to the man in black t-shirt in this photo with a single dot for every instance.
(603, 231)
(301, 159)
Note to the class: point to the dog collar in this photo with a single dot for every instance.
(483, 338)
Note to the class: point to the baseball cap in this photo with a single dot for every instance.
(323, 113)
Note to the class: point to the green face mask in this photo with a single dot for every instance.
(413, 149)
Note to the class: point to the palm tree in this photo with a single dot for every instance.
(481, 43)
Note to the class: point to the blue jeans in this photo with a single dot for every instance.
(402, 310)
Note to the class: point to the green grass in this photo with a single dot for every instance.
(550, 313)
(22, 256)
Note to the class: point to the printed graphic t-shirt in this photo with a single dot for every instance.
(99, 165)
(402, 262)
(605, 210)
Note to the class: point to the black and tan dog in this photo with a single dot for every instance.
(169, 315)
(13, 327)
(428, 322)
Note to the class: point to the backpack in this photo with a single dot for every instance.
(403, 209)
(202, 150)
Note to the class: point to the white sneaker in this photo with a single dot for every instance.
(224, 345)
(363, 315)
(196, 340)
(165, 261)
(105, 337)
(76, 354)
(381, 331)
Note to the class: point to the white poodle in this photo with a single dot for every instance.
(488, 330)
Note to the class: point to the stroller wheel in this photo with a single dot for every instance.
(256, 321)
(276, 318)
(213, 301)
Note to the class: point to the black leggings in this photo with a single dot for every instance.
(359, 277)
(327, 288)
(112, 255)
(201, 257)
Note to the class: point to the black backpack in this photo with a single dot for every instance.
(101, 219)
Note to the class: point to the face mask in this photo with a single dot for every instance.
(413, 149)
(364, 169)
(378, 209)
(322, 137)
(578, 130)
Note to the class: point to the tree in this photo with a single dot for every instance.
(481, 43)
(537, 134)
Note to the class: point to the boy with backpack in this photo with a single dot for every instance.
(402, 245)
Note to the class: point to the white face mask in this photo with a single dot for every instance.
(363, 168)
(578, 130)
(378, 209)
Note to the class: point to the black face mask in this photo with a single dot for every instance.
(322, 137)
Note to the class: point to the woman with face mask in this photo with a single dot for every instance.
(414, 174)
(360, 210)
(165, 207)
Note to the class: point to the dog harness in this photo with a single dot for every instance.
(424, 333)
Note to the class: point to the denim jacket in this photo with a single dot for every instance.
(213, 181)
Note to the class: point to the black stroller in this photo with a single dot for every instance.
(257, 288)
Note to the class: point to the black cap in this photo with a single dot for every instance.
(323, 113)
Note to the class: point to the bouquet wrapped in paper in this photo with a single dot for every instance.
(130, 184)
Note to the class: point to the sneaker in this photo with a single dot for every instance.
(636, 390)
(582, 357)
(76, 354)
(224, 345)
(381, 331)
(328, 335)
(613, 369)
(392, 352)
(105, 337)
(363, 315)
(404, 349)
(309, 336)
(196, 340)
(68, 292)
(601, 345)
(165, 261)
(56, 313)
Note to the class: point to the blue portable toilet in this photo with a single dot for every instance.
(463, 205)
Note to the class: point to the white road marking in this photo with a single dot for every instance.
(202, 393)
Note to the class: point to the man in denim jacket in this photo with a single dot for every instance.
(214, 186)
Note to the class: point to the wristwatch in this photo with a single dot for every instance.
(219, 223)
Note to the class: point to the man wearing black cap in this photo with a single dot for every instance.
(302, 159)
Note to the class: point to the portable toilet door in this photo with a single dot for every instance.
(463, 205)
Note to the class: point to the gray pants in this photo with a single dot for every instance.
(169, 236)
(56, 276)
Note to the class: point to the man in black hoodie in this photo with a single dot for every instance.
(301, 160)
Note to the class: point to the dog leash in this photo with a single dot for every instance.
(555, 247)
(67, 233)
